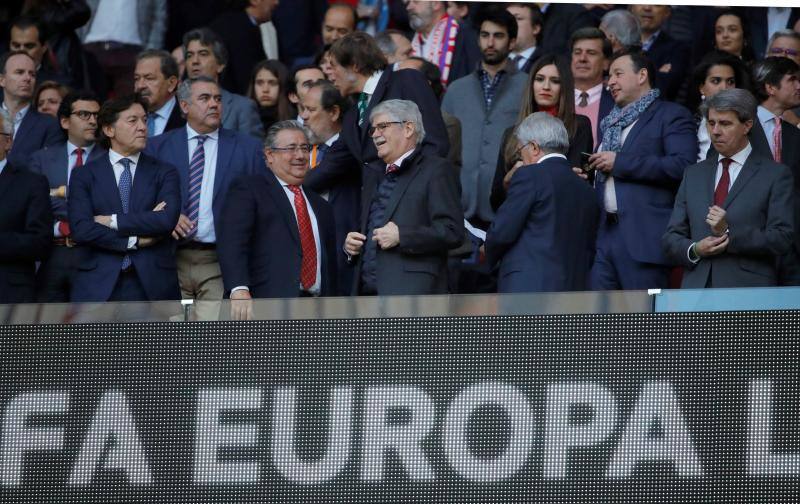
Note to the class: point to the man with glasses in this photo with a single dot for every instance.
(785, 43)
(208, 158)
(78, 117)
(410, 211)
(276, 239)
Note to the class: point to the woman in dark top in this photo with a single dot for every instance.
(268, 84)
(550, 89)
(731, 35)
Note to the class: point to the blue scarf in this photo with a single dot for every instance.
(620, 118)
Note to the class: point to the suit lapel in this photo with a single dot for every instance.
(145, 172)
(375, 99)
(107, 184)
(404, 178)
(282, 204)
(758, 138)
(790, 143)
(640, 125)
(226, 145)
(710, 165)
(750, 168)
(27, 125)
(56, 171)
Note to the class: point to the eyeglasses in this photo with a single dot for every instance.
(382, 126)
(518, 152)
(781, 51)
(291, 149)
(84, 114)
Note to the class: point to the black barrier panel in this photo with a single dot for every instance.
(699, 407)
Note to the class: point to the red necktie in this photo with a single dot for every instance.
(308, 268)
(78, 157)
(776, 140)
(721, 191)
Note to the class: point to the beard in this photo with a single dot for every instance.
(496, 58)
(420, 21)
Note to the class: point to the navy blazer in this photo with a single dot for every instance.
(26, 232)
(93, 191)
(53, 163)
(543, 235)
(259, 242)
(35, 132)
(238, 154)
(647, 172)
(606, 106)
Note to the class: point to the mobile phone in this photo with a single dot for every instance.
(585, 162)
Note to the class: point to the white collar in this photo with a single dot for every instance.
(551, 155)
(740, 157)
(593, 92)
(527, 53)
(332, 139)
(402, 158)
(372, 83)
(214, 135)
(114, 157)
(166, 109)
(86, 149)
(764, 115)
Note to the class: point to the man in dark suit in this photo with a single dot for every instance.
(276, 239)
(410, 213)
(591, 51)
(205, 54)
(78, 117)
(122, 210)
(359, 68)
(25, 230)
(734, 242)
(28, 34)
(208, 158)
(646, 145)
(529, 26)
(764, 21)
(32, 130)
(155, 80)
(667, 54)
(543, 235)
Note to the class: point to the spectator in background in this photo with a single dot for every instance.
(785, 43)
(177, 55)
(442, 40)
(28, 34)
(340, 19)
(529, 26)
(268, 87)
(239, 31)
(48, 97)
(622, 29)
(560, 22)
(763, 22)
(591, 52)
(155, 79)
(667, 54)
(459, 11)
(323, 60)
(732, 36)
(114, 40)
(302, 79)
(394, 45)
(205, 55)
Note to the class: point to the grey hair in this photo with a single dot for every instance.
(548, 132)
(624, 26)
(185, 87)
(206, 38)
(272, 132)
(386, 43)
(404, 111)
(8, 124)
(737, 100)
(783, 33)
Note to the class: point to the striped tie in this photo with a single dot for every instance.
(125, 183)
(196, 166)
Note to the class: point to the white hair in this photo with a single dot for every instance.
(548, 132)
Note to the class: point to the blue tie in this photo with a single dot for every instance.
(125, 182)
(151, 124)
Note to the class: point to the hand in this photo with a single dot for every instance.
(59, 192)
(716, 219)
(582, 174)
(711, 246)
(105, 220)
(146, 241)
(241, 305)
(511, 172)
(603, 161)
(665, 68)
(387, 236)
(183, 228)
(161, 206)
(353, 243)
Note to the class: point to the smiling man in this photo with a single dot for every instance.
(410, 212)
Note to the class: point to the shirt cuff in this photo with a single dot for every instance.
(692, 255)
(240, 287)
(132, 242)
(113, 223)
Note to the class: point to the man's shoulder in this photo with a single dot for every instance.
(671, 109)
(241, 139)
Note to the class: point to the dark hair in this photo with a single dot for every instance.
(432, 74)
(536, 14)
(341, 5)
(715, 58)
(747, 49)
(25, 21)
(386, 42)
(771, 71)
(169, 68)
(331, 98)
(639, 60)
(10, 54)
(498, 15)
(65, 109)
(590, 33)
(110, 111)
(207, 38)
(566, 98)
(359, 49)
(320, 54)
(278, 69)
(49, 84)
(292, 82)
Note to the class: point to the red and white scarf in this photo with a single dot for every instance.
(438, 47)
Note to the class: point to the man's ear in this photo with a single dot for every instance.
(293, 97)
(173, 84)
(748, 124)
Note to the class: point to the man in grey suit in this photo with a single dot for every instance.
(205, 54)
(78, 117)
(734, 212)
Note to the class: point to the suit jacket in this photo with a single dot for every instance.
(26, 232)
(668, 51)
(238, 154)
(647, 171)
(93, 191)
(36, 131)
(53, 163)
(759, 211)
(425, 207)
(561, 21)
(606, 106)
(259, 242)
(240, 113)
(756, 17)
(243, 39)
(151, 16)
(537, 53)
(175, 119)
(543, 235)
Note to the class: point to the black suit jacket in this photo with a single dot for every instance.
(560, 22)
(175, 119)
(26, 232)
(258, 242)
(668, 51)
(243, 40)
(35, 132)
(426, 207)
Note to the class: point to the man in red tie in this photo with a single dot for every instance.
(275, 239)
(733, 215)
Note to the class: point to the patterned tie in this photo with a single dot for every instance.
(308, 268)
(584, 99)
(776, 141)
(125, 183)
(78, 157)
(151, 124)
(363, 100)
(196, 166)
(721, 192)
(391, 168)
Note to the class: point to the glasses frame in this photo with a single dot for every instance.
(303, 148)
(382, 126)
(786, 52)
(87, 113)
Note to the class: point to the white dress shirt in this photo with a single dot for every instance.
(3, 165)
(205, 219)
(115, 21)
(610, 194)
(593, 92)
(371, 85)
(551, 155)
(524, 56)
(115, 158)
(161, 116)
